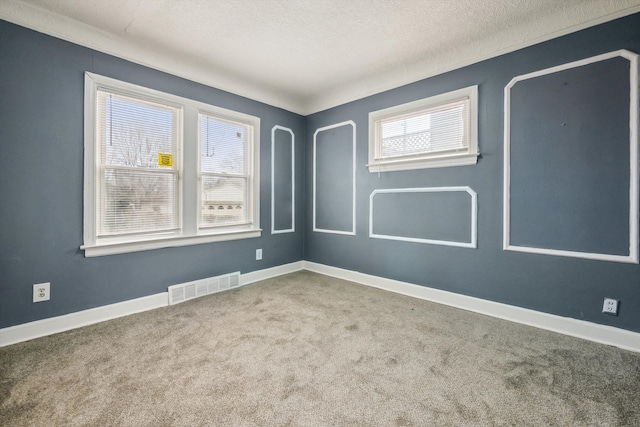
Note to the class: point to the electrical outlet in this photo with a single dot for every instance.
(41, 292)
(258, 254)
(610, 306)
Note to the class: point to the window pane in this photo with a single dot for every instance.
(436, 129)
(224, 201)
(133, 132)
(222, 146)
(138, 201)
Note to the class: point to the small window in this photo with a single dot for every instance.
(432, 132)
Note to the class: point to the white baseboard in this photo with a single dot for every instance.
(54, 325)
(268, 273)
(577, 328)
(602, 334)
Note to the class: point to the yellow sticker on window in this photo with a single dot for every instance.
(165, 159)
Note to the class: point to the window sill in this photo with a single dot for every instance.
(113, 248)
(431, 162)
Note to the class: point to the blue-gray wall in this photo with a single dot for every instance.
(41, 185)
(563, 286)
(41, 168)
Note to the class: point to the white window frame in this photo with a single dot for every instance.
(468, 156)
(249, 167)
(188, 166)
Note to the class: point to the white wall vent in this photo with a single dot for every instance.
(234, 280)
(224, 283)
(186, 291)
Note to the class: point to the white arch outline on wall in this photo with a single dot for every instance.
(293, 181)
(473, 243)
(353, 142)
(633, 161)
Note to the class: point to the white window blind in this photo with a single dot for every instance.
(225, 183)
(138, 180)
(439, 129)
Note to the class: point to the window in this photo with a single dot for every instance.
(136, 192)
(432, 132)
(156, 165)
(224, 177)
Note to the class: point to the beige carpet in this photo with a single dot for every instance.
(309, 350)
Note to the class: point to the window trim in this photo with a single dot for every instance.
(189, 233)
(425, 160)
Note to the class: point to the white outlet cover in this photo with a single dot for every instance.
(41, 292)
(258, 254)
(610, 306)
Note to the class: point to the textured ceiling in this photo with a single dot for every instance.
(308, 55)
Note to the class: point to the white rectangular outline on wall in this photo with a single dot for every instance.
(474, 216)
(353, 142)
(293, 181)
(633, 161)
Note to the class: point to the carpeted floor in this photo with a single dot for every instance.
(310, 350)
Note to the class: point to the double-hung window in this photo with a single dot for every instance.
(162, 170)
(432, 132)
(224, 171)
(137, 174)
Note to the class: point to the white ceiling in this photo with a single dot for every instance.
(309, 55)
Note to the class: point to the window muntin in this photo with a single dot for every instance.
(431, 132)
(144, 173)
